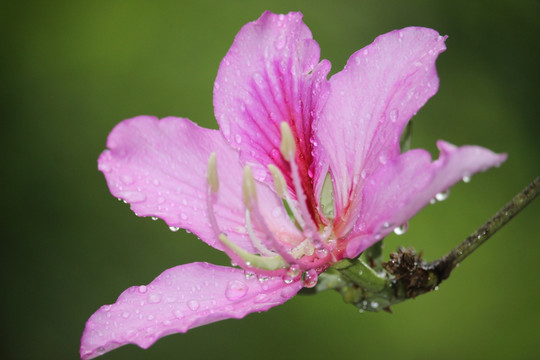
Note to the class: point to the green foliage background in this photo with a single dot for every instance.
(71, 70)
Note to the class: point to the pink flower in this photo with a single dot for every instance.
(303, 172)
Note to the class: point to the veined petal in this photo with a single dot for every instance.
(270, 75)
(160, 167)
(180, 299)
(371, 100)
(405, 185)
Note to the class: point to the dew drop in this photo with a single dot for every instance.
(154, 218)
(143, 289)
(125, 314)
(442, 195)
(174, 228)
(249, 275)
(310, 278)
(154, 298)
(151, 317)
(466, 177)
(374, 305)
(400, 230)
(321, 253)
(393, 115)
(236, 290)
(178, 314)
(133, 196)
(127, 179)
(238, 138)
(260, 298)
(193, 305)
(383, 159)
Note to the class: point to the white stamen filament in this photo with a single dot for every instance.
(254, 239)
(310, 229)
(282, 186)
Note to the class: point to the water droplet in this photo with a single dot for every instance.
(374, 305)
(127, 179)
(174, 228)
(125, 314)
(321, 253)
(178, 314)
(400, 230)
(151, 317)
(276, 212)
(154, 298)
(383, 159)
(310, 278)
(393, 115)
(442, 195)
(466, 177)
(193, 305)
(262, 278)
(260, 298)
(249, 275)
(154, 218)
(432, 201)
(142, 289)
(132, 196)
(236, 290)
(238, 138)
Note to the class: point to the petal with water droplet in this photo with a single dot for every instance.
(140, 317)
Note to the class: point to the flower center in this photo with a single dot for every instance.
(275, 255)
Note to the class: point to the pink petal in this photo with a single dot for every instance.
(371, 100)
(160, 166)
(397, 191)
(180, 299)
(271, 74)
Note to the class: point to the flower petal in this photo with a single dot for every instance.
(180, 299)
(371, 100)
(270, 75)
(405, 185)
(160, 166)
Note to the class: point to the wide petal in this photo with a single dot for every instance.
(371, 100)
(160, 167)
(270, 75)
(180, 299)
(405, 185)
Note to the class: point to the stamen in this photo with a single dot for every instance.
(279, 180)
(211, 175)
(281, 185)
(211, 193)
(248, 188)
(288, 145)
(254, 239)
(260, 262)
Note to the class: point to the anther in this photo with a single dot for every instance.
(211, 174)
(279, 180)
(248, 188)
(288, 145)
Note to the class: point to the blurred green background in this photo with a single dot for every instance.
(71, 70)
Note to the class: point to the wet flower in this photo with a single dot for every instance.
(303, 172)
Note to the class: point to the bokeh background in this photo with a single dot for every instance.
(71, 70)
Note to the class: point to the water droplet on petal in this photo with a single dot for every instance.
(154, 218)
(132, 196)
(174, 228)
(154, 298)
(178, 314)
(193, 305)
(310, 278)
(260, 298)
(236, 290)
(127, 179)
(125, 314)
(393, 115)
(142, 289)
(466, 177)
(442, 195)
(238, 138)
(400, 230)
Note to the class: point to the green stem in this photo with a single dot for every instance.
(450, 261)
(406, 275)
